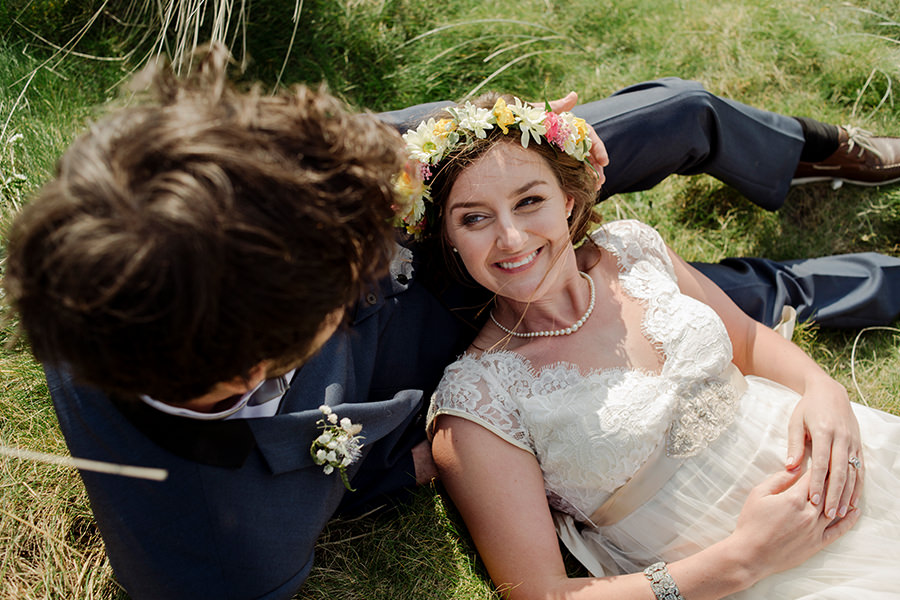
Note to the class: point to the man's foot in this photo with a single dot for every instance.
(861, 159)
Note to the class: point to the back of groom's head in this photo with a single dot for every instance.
(184, 240)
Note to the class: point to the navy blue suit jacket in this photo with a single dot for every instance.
(243, 503)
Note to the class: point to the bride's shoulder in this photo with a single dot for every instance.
(490, 368)
(624, 228)
(628, 238)
(479, 357)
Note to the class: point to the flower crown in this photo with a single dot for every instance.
(434, 139)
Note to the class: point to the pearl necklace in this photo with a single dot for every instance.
(551, 333)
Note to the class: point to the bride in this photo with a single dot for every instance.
(618, 399)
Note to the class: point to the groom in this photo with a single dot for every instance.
(205, 271)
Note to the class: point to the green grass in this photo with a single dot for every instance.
(825, 59)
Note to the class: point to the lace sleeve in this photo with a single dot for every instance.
(634, 242)
(471, 389)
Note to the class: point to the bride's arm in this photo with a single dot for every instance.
(823, 414)
(499, 491)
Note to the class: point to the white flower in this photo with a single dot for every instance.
(337, 447)
(417, 209)
(577, 144)
(423, 144)
(474, 119)
(530, 121)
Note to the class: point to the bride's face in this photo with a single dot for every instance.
(506, 216)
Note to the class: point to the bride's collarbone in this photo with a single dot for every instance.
(594, 348)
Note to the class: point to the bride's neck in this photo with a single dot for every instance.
(564, 303)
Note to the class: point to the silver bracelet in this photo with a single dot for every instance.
(661, 582)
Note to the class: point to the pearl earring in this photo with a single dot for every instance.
(455, 250)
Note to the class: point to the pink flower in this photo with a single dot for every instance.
(551, 122)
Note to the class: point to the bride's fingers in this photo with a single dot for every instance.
(845, 502)
(821, 459)
(839, 477)
(796, 448)
(860, 477)
(838, 528)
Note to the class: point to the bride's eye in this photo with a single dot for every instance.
(530, 202)
(471, 219)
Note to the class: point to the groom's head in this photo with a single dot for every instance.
(187, 239)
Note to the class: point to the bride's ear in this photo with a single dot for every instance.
(570, 204)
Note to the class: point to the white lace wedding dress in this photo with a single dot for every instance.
(591, 432)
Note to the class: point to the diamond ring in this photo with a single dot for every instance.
(854, 462)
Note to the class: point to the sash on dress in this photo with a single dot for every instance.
(643, 485)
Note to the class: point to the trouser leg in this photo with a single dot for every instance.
(842, 291)
(405, 119)
(654, 129)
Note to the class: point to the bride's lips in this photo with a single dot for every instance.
(519, 263)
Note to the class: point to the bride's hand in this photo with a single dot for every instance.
(824, 417)
(598, 158)
(778, 528)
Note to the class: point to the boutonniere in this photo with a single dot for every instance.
(338, 446)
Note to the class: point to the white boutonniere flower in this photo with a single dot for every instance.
(338, 446)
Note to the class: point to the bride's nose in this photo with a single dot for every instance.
(509, 235)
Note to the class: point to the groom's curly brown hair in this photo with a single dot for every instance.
(186, 239)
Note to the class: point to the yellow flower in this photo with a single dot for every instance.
(405, 185)
(504, 116)
(444, 127)
(581, 128)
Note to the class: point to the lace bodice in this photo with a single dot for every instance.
(591, 432)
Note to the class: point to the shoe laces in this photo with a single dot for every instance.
(857, 136)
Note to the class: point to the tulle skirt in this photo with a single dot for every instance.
(700, 504)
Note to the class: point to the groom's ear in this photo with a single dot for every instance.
(241, 385)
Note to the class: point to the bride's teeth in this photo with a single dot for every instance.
(524, 261)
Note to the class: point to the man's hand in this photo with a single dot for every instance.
(426, 470)
(599, 158)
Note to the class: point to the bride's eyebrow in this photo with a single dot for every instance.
(524, 188)
(466, 204)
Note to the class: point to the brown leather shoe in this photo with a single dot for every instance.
(861, 159)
